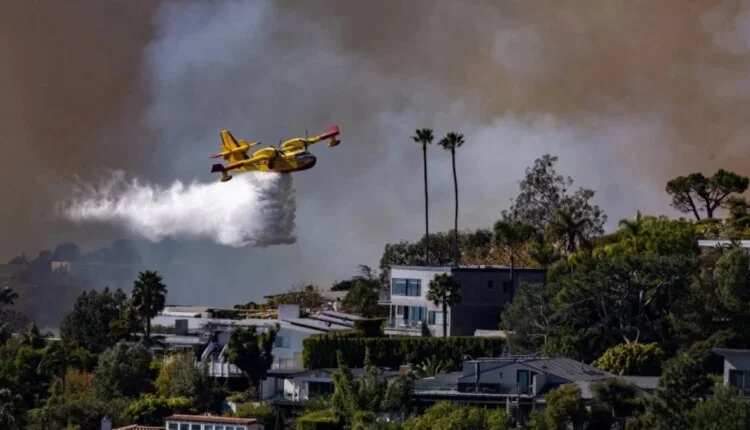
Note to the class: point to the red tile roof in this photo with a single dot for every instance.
(212, 419)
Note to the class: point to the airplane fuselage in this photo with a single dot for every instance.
(285, 162)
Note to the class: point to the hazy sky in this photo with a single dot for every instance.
(627, 94)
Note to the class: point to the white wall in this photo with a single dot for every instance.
(424, 276)
(737, 361)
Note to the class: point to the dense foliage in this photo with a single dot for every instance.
(643, 300)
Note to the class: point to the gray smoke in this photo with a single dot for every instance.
(628, 94)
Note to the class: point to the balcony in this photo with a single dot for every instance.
(398, 326)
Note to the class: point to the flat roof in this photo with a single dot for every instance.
(466, 268)
(745, 243)
(212, 419)
(731, 351)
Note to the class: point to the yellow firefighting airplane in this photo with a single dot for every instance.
(291, 156)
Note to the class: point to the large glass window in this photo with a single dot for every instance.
(435, 318)
(416, 313)
(172, 426)
(406, 287)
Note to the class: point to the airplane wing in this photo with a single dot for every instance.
(299, 143)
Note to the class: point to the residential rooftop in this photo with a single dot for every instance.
(446, 268)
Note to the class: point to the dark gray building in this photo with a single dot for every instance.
(485, 291)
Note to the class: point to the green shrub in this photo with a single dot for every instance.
(392, 352)
(373, 327)
(641, 359)
(363, 420)
(318, 420)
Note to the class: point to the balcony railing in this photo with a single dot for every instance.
(401, 324)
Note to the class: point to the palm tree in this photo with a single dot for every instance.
(634, 230)
(451, 142)
(56, 360)
(444, 291)
(542, 252)
(424, 137)
(7, 296)
(430, 367)
(32, 337)
(512, 233)
(148, 298)
(571, 228)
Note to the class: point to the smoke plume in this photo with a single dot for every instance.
(250, 210)
(628, 94)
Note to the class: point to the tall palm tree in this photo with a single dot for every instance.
(444, 291)
(569, 227)
(512, 233)
(424, 137)
(148, 298)
(56, 360)
(634, 230)
(451, 142)
(7, 296)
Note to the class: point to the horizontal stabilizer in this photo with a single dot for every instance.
(331, 132)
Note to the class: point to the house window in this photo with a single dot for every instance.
(184, 426)
(219, 427)
(489, 284)
(508, 287)
(315, 388)
(208, 427)
(281, 342)
(406, 287)
(172, 426)
(415, 313)
(740, 379)
(435, 318)
(195, 427)
(523, 381)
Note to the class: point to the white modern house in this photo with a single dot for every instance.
(300, 385)
(208, 337)
(736, 368)
(485, 290)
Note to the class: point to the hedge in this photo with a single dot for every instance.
(318, 420)
(391, 352)
(373, 327)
